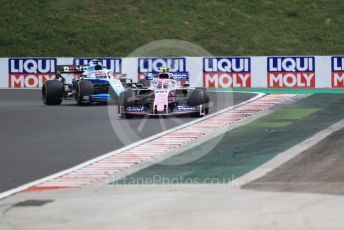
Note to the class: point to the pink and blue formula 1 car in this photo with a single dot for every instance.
(164, 94)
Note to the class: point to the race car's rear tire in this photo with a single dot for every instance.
(142, 83)
(52, 92)
(83, 90)
(125, 100)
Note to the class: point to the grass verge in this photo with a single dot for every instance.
(116, 28)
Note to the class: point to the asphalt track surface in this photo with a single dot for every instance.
(37, 140)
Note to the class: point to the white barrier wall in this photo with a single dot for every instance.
(212, 72)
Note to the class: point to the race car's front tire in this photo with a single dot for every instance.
(206, 99)
(83, 91)
(196, 97)
(52, 92)
(125, 100)
(199, 96)
(126, 116)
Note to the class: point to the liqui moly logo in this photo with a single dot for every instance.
(30, 72)
(291, 72)
(337, 72)
(227, 72)
(153, 65)
(113, 64)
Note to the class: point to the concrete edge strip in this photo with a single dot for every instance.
(107, 155)
(285, 156)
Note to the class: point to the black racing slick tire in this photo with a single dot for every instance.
(125, 100)
(83, 90)
(52, 92)
(196, 98)
(200, 96)
(142, 82)
(126, 116)
(206, 99)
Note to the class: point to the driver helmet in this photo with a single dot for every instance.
(96, 63)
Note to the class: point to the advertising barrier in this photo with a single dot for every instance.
(227, 72)
(337, 72)
(30, 72)
(213, 72)
(291, 72)
(152, 65)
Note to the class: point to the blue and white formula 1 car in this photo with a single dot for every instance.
(91, 84)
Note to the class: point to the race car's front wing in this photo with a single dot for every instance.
(177, 110)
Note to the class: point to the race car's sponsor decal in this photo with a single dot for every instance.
(291, 72)
(73, 69)
(184, 109)
(101, 74)
(179, 76)
(153, 65)
(161, 91)
(30, 72)
(337, 72)
(113, 64)
(227, 72)
(136, 109)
